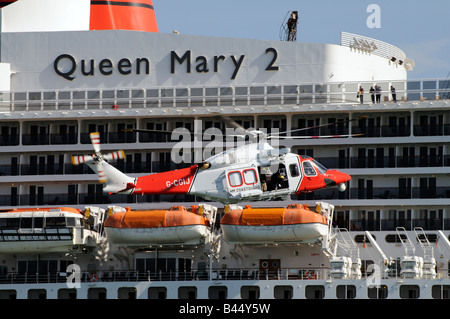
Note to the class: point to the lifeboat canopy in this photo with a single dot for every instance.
(294, 224)
(175, 226)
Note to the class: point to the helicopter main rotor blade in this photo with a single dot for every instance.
(180, 132)
(143, 130)
(100, 172)
(321, 125)
(80, 159)
(313, 136)
(114, 155)
(95, 140)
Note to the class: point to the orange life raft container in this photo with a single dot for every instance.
(150, 227)
(296, 223)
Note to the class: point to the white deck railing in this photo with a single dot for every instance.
(160, 97)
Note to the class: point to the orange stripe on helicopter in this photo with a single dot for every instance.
(137, 15)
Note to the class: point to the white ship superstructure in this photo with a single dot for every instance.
(61, 82)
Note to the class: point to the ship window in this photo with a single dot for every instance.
(314, 292)
(409, 291)
(250, 177)
(283, 292)
(293, 168)
(70, 221)
(10, 223)
(363, 238)
(3, 223)
(309, 169)
(250, 292)
(217, 292)
(55, 222)
(346, 291)
(187, 292)
(394, 238)
(377, 292)
(26, 222)
(235, 179)
(432, 238)
(38, 222)
(440, 291)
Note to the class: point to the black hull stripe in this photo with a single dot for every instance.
(122, 3)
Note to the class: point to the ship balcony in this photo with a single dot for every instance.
(358, 131)
(230, 96)
(377, 193)
(49, 165)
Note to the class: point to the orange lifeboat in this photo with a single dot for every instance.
(296, 223)
(157, 227)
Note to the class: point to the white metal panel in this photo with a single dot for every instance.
(32, 56)
(46, 15)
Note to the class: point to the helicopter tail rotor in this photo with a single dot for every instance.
(115, 180)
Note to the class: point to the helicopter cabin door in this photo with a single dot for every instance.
(293, 172)
(243, 183)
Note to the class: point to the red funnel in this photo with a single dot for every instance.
(138, 15)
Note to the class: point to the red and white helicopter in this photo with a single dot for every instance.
(251, 172)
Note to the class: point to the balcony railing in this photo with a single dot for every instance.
(267, 95)
(154, 166)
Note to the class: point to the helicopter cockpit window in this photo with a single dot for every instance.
(235, 178)
(322, 169)
(293, 169)
(309, 169)
(250, 177)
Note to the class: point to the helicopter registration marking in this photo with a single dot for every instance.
(178, 182)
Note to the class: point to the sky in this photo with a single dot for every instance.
(420, 28)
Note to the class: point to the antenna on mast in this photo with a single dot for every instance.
(288, 30)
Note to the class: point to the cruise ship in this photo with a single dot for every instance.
(76, 67)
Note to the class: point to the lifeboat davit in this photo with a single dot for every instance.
(176, 226)
(294, 224)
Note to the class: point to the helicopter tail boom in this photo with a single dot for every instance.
(172, 182)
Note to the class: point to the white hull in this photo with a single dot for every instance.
(182, 235)
(37, 246)
(239, 234)
(238, 289)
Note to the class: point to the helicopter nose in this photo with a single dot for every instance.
(329, 182)
(336, 177)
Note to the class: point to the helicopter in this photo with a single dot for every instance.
(254, 171)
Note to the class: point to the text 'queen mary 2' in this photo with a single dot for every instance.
(76, 67)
